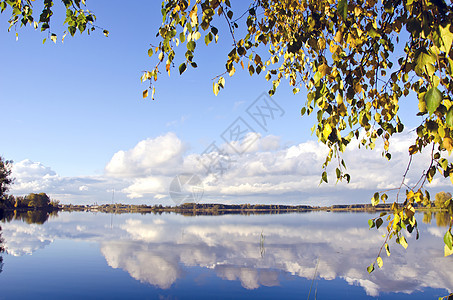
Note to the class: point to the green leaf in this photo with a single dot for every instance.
(191, 45)
(182, 68)
(72, 30)
(380, 263)
(433, 98)
(449, 117)
(447, 38)
(303, 110)
(424, 61)
(208, 38)
(448, 240)
(324, 176)
(150, 52)
(371, 223)
(343, 9)
(370, 268)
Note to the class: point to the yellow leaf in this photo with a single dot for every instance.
(215, 88)
(403, 242)
(339, 37)
(231, 73)
(193, 16)
(327, 130)
(380, 263)
(447, 251)
(410, 195)
(387, 249)
(222, 82)
(324, 69)
(145, 94)
(448, 144)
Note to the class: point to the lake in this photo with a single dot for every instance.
(315, 255)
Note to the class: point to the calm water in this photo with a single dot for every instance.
(169, 256)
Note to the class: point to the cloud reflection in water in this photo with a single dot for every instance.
(156, 249)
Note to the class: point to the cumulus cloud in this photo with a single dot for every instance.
(258, 169)
(161, 155)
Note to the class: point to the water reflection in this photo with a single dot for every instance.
(256, 250)
(442, 218)
(29, 216)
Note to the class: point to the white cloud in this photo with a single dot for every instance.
(160, 155)
(151, 185)
(265, 171)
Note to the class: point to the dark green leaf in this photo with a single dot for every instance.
(241, 51)
(324, 176)
(303, 110)
(379, 222)
(343, 9)
(182, 68)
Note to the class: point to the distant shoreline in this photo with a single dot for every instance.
(214, 209)
(192, 209)
(218, 209)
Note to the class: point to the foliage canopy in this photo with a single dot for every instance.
(357, 59)
(5, 177)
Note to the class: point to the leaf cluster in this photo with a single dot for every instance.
(357, 59)
(77, 17)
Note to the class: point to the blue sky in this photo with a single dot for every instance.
(69, 109)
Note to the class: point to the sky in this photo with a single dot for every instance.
(76, 126)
